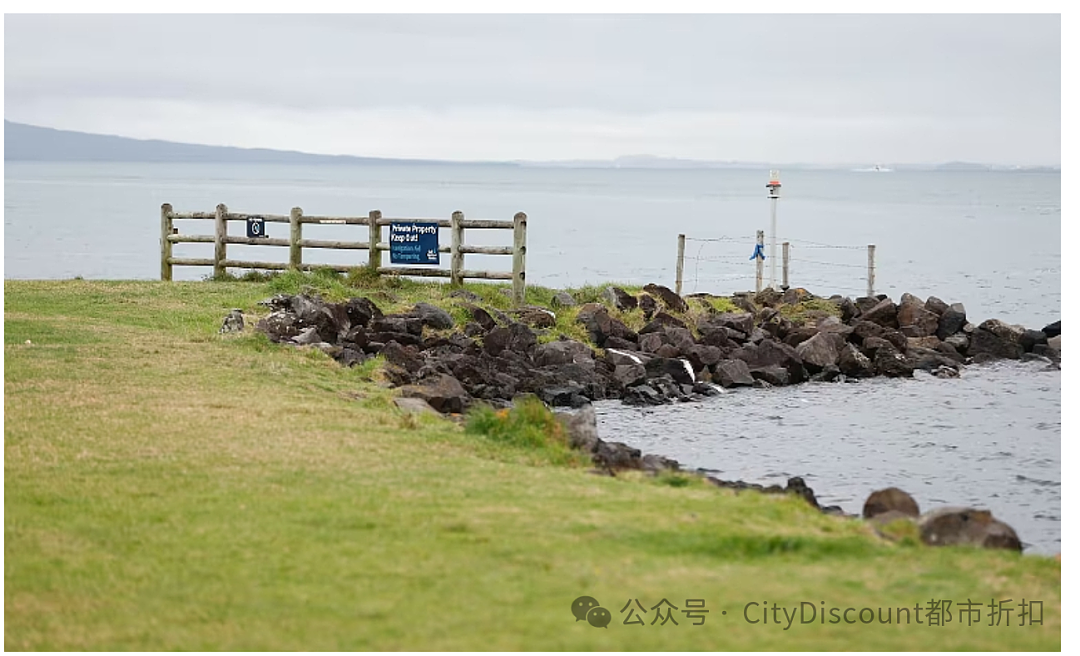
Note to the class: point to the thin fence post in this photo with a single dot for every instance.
(519, 258)
(374, 235)
(760, 261)
(296, 235)
(787, 258)
(870, 251)
(166, 245)
(221, 229)
(457, 258)
(679, 264)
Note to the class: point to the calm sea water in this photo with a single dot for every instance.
(990, 240)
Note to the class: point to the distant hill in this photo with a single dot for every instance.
(31, 143)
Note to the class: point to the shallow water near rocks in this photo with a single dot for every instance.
(990, 439)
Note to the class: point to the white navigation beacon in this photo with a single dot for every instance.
(774, 194)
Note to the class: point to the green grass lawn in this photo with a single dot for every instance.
(169, 488)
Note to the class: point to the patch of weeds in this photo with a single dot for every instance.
(528, 426)
(810, 308)
(363, 277)
(674, 479)
(366, 370)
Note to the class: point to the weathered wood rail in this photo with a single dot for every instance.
(374, 244)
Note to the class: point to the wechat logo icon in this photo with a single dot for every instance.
(589, 609)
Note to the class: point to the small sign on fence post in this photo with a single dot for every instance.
(256, 227)
(414, 242)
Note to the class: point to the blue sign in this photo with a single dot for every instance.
(256, 227)
(413, 242)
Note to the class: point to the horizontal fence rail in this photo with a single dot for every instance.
(374, 244)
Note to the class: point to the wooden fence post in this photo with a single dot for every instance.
(166, 245)
(870, 251)
(457, 258)
(760, 261)
(221, 229)
(296, 235)
(374, 234)
(679, 264)
(519, 258)
(787, 258)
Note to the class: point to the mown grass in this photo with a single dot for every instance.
(170, 488)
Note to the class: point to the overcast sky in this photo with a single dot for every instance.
(781, 89)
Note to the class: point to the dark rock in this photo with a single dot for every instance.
(967, 526)
(742, 322)
(714, 335)
(667, 351)
(891, 499)
(648, 305)
(848, 310)
(679, 370)
(357, 337)
(580, 427)
(616, 455)
(890, 363)
(233, 322)
(773, 374)
(601, 325)
(681, 338)
(620, 299)
(629, 375)
(930, 342)
(861, 330)
(414, 406)
(309, 335)
(534, 316)
(660, 321)
(828, 374)
(798, 487)
(562, 352)
(442, 392)
(929, 360)
(673, 301)
(473, 329)
(617, 357)
(643, 395)
(481, 316)
(350, 357)
(771, 352)
(703, 355)
(883, 314)
(732, 373)
(871, 345)
(986, 345)
(572, 396)
(1029, 338)
(947, 371)
(396, 324)
(654, 463)
(279, 326)
(432, 317)
(866, 303)
(898, 339)
(820, 351)
(401, 338)
(959, 341)
(936, 305)
(621, 344)
(854, 364)
(651, 342)
(1052, 330)
(952, 321)
(742, 302)
(768, 297)
(516, 337)
(407, 357)
(563, 300)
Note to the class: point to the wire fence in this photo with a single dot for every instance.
(728, 264)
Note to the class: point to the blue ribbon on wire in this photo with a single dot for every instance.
(759, 252)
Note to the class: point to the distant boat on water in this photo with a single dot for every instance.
(877, 168)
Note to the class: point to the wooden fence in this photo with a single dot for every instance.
(759, 261)
(374, 244)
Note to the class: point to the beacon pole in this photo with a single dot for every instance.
(774, 195)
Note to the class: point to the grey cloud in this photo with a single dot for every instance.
(904, 69)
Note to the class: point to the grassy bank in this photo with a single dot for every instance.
(170, 488)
